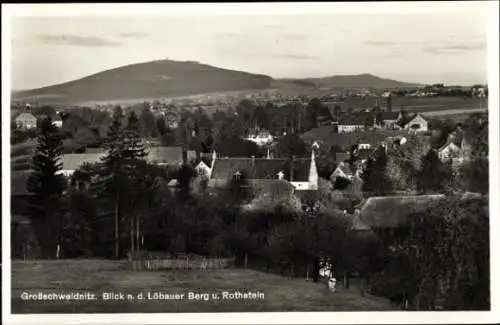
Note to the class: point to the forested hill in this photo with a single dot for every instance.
(148, 80)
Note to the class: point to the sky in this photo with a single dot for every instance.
(425, 48)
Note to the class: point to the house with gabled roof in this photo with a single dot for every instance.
(25, 121)
(448, 151)
(301, 173)
(350, 123)
(343, 170)
(417, 124)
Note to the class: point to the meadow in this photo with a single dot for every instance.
(100, 276)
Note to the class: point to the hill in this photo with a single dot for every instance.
(147, 80)
(365, 80)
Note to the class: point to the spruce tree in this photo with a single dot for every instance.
(135, 153)
(113, 185)
(47, 187)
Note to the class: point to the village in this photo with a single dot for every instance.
(375, 168)
(324, 161)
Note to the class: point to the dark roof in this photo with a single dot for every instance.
(352, 120)
(74, 161)
(24, 115)
(393, 211)
(390, 115)
(261, 168)
(364, 153)
(168, 155)
(18, 180)
(341, 156)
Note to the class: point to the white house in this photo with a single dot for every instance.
(261, 139)
(25, 121)
(417, 124)
(448, 151)
(343, 170)
(350, 124)
(57, 121)
(203, 170)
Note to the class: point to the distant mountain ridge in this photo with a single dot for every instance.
(167, 78)
(364, 80)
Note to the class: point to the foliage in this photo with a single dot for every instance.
(291, 145)
(452, 265)
(434, 175)
(47, 187)
(374, 175)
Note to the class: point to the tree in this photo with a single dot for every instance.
(114, 186)
(374, 176)
(313, 110)
(291, 145)
(260, 119)
(135, 154)
(337, 110)
(149, 124)
(245, 110)
(434, 175)
(341, 183)
(474, 175)
(48, 187)
(451, 264)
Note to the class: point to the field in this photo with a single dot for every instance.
(99, 276)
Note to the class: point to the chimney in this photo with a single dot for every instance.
(292, 164)
(253, 160)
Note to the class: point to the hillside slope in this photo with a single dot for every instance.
(147, 80)
(365, 80)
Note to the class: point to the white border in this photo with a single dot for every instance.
(258, 9)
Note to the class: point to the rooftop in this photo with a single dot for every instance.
(262, 168)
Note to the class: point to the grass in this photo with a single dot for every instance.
(98, 276)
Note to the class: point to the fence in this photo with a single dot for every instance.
(152, 262)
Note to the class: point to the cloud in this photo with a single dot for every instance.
(133, 35)
(455, 48)
(67, 39)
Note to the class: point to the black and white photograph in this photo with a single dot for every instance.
(249, 158)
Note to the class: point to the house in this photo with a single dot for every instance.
(417, 124)
(57, 120)
(350, 123)
(301, 173)
(261, 138)
(449, 151)
(163, 156)
(72, 162)
(343, 170)
(25, 121)
(391, 119)
(205, 165)
(364, 154)
(389, 217)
